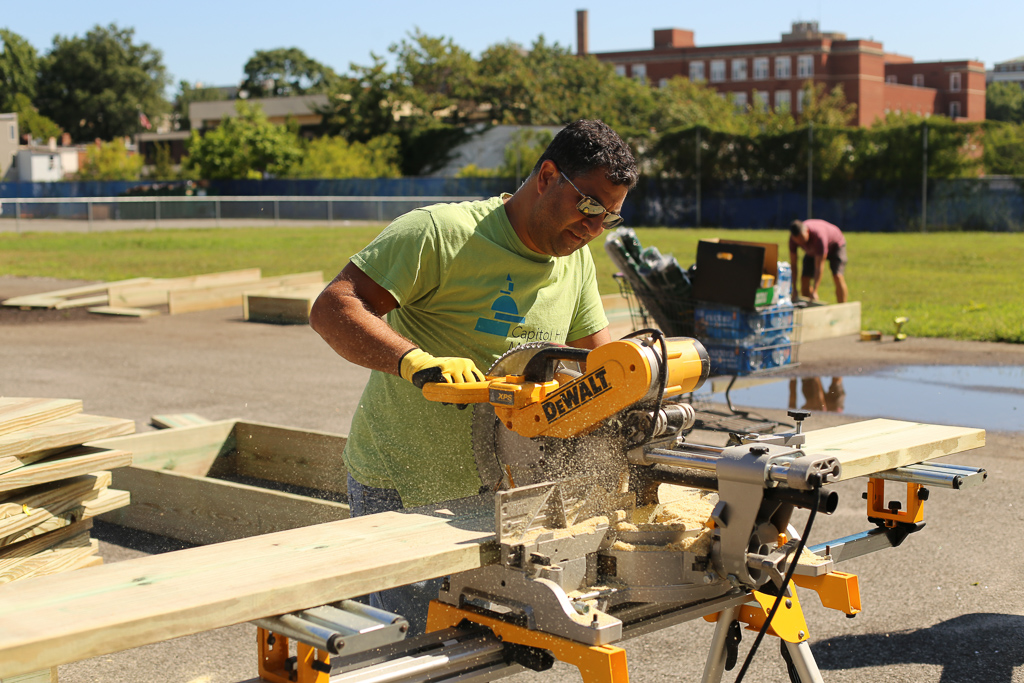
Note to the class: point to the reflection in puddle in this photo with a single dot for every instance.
(970, 396)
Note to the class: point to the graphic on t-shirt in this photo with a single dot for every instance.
(505, 312)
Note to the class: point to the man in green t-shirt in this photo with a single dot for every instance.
(449, 288)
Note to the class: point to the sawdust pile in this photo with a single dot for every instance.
(688, 512)
(588, 526)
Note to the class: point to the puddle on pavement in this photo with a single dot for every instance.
(963, 395)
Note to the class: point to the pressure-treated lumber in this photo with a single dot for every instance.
(189, 300)
(30, 547)
(149, 599)
(31, 507)
(825, 322)
(23, 413)
(281, 305)
(35, 443)
(872, 446)
(65, 618)
(291, 456)
(125, 311)
(62, 557)
(174, 420)
(64, 465)
(155, 292)
(186, 450)
(59, 296)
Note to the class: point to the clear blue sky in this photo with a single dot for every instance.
(210, 41)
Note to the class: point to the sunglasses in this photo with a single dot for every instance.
(589, 206)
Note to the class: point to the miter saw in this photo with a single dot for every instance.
(574, 445)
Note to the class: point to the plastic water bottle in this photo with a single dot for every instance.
(784, 284)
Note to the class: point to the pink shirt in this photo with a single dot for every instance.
(820, 236)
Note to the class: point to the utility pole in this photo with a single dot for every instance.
(924, 177)
(696, 153)
(810, 170)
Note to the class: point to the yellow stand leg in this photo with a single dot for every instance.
(273, 660)
(597, 663)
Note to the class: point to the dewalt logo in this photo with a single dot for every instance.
(570, 398)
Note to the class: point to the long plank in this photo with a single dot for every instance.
(39, 504)
(64, 557)
(131, 603)
(291, 456)
(190, 300)
(825, 322)
(873, 446)
(108, 501)
(127, 604)
(35, 545)
(64, 465)
(173, 420)
(154, 293)
(202, 510)
(188, 450)
(23, 413)
(125, 311)
(29, 445)
(50, 299)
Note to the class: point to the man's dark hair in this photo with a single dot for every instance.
(585, 145)
(796, 227)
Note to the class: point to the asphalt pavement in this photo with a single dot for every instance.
(947, 605)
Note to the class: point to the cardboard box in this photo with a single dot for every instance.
(729, 271)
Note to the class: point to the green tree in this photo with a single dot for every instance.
(336, 157)
(19, 64)
(99, 85)
(242, 146)
(434, 76)
(31, 122)
(683, 104)
(826, 108)
(1004, 149)
(1004, 102)
(163, 167)
(110, 161)
(187, 94)
(362, 106)
(284, 72)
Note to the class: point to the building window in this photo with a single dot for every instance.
(717, 70)
(759, 99)
(10, 128)
(739, 69)
(804, 66)
(740, 100)
(696, 71)
(662, 82)
(783, 67)
(891, 78)
(954, 110)
(620, 69)
(783, 101)
(800, 95)
(918, 80)
(640, 72)
(761, 69)
(954, 82)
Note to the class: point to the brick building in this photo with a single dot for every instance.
(774, 73)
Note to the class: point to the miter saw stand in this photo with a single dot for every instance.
(563, 591)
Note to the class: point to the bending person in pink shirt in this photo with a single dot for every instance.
(820, 240)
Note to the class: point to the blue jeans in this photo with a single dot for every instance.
(410, 601)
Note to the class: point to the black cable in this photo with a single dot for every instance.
(782, 592)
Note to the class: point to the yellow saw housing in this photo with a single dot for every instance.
(618, 375)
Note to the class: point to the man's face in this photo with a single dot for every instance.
(561, 229)
(801, 238)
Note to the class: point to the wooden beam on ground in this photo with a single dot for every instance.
(291, 456)
(175, 420)
(26, 446)
(281, 305)
(54, 620)
(190, 300)
(155, 293)
(64, 465)
(125, 311)
(186, 450)
(825, 322)
(873, 446)
(51, 299)
(135, 602)
(39, 504)
(17, 414)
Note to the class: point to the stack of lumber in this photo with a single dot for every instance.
(138, 296)
(51, 486)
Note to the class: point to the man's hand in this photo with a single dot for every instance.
(419, 367)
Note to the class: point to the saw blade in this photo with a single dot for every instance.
(506, 459)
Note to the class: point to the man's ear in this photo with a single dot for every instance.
(547, 174)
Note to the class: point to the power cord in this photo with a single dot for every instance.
(782, 589)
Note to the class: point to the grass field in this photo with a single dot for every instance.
(955, 285)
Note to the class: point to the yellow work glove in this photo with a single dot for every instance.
(419, 367)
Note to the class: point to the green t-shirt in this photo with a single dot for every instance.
(466, 286)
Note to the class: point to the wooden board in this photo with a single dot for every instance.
(52, 299)
(17, 414)
(70, 463)
(155, 293)
(73, 616)
(202, 510)
(30, 547)
(35, 443)
(826, 322)
(190, 300)
(37, 505)
(174, 420)
(282, 305)
(125, 311)
(63, 557)
(186, 450)
(872, 446)
(291, 456)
